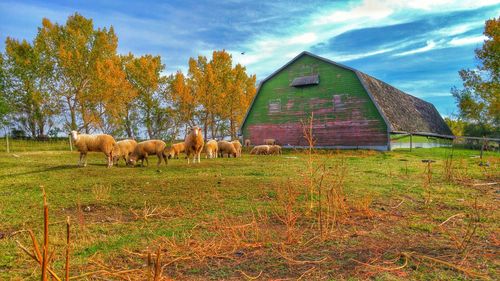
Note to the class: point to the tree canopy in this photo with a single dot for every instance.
(71, 77)
(479, 99)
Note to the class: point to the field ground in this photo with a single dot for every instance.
(381, 217)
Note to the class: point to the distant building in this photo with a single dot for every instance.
(351, 109)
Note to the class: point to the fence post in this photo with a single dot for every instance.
(482, 148)
(70, 144)
(7, 140)
(411, 141)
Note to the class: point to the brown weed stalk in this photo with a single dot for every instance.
(42, 257)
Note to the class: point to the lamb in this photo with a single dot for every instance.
(226, 147)
(247, 143)
(93, 143)
(274, 150)
(260, 150)
(123, 149)
(194, 144)
(149, 147)
(211, 149)
(176, 150)
(269, 141)
(237, 146)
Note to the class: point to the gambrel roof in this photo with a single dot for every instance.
(401, 112)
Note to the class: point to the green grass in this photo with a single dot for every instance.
(192, 197)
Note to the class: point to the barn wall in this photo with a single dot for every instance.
(343, 112)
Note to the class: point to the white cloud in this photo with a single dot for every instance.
(306, 38)
(467, 40)
(429, 46)
(369, 9)
(337, 57)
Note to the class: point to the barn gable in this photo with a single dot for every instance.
(351, 109)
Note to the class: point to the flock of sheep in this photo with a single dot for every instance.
(131, 151)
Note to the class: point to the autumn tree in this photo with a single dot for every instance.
(479, 100)
(28, 91)
(240, 95)
(144, 73)
(86, 72)
(223, 93)
(183, 99)
(198, 82)
(4, 82)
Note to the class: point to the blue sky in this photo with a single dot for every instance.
(417, 46)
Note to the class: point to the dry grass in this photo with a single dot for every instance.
(364, 222)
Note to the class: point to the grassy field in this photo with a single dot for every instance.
(348, 215)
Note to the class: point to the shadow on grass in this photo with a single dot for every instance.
(50, 169)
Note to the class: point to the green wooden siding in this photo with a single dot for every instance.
(298, 103)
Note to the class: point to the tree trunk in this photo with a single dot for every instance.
(72, 114)
(212, 126)
(233, 130)
(149, 125)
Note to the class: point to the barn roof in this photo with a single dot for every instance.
(404, 113)
(401, 111)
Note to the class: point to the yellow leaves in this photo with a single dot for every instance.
(221, 90)
(46, 23)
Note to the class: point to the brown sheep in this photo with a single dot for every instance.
(194, 144)
(260, 150)
(93, 143)
(274, 150)
(247, 143)
(123, 149)
(176, 150)
(149, 147)
(237, 146)
(269, 141)
(226, 147)
(211, 149)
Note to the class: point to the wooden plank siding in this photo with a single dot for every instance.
(344, 115)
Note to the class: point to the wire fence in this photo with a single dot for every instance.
(25, 145)
(405, 141)
(414, 141)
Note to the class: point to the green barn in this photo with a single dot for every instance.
(351, 109)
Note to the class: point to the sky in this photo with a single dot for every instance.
(416, 46)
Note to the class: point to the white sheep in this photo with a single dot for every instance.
(237, 145)
(176, 150)
(226, 147)
(211, 149)
(93, 143)
(123, 149)
(260, 150)
(194, 144)
(274, 150)
(149, 147)
(269, 141)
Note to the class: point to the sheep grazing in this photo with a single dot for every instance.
(260, 150)
(274, 150)
(194, 144)
(123, 149)
(226, 147)
(247, 143)
(237, 146)
(93, 143)
(211, 149)
(176, 150)
(269, 141)
(149, 147)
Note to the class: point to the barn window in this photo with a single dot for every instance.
(275, 106)
(337, 102)
(305, 81)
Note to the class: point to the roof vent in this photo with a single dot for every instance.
(305, 81)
